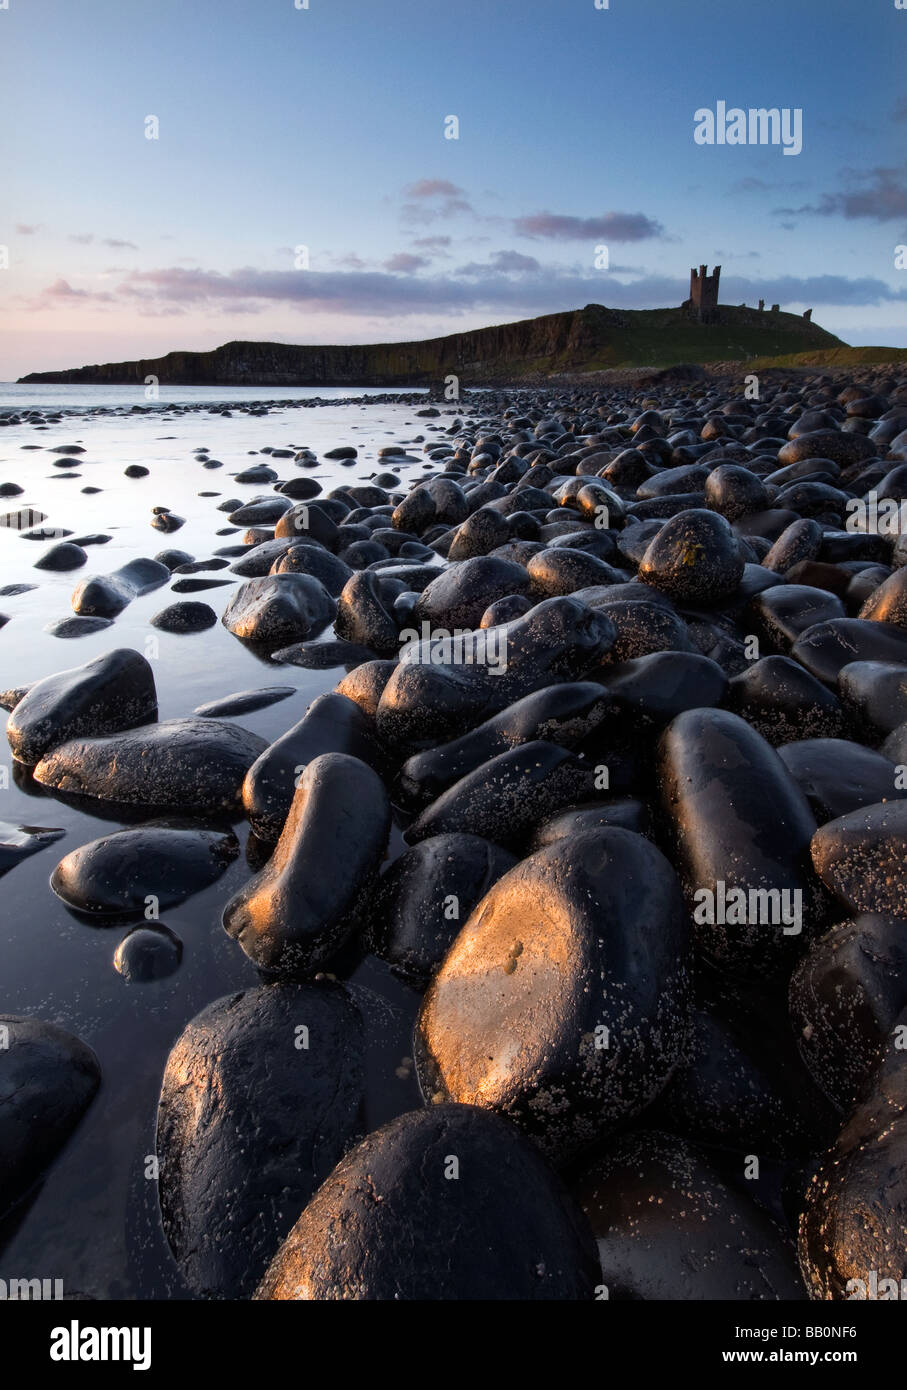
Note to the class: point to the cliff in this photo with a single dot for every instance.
(580, 340)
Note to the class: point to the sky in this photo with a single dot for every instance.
(302, 186)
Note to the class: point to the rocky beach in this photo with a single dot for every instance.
(456, 849)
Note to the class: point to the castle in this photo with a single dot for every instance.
(703, 301)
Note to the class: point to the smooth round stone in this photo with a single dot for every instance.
(148, 953)
(258, 473)
(364, 616)
(661, 685)
(838, 776)
(112, 692)
(188, 765)
(459, 596)
(199, 585)
(505, 799)
(855, 1212)
(118, 872)
(390, 1224)
(862, 857)
(782, 702)
(364, 685)
(310, 521)
(343, 451)
(264, 512)
(278, 608)
(260, 1099)
(739, 820)
(786, 611)
(623, 812)
(888, 603)
(11, 490)
(742, 1087)
(76, 627)
(332, 724)
(332, 572)
(106, 595)
(845, 998)
(426, 895)
(173, 559)
(799, 541)
(136, 470)
(562, 1003)
(828, 646)
(562, 570)
(65, 556)
(842, 449)
(669, 1227)
(260, 560)
(643, 628)
(307, 901)
(184, 617)
(734, 491)
(562, 714)
(299, 489)
(875, 694)
(431, 697)
(167, 521)
(48, 1079)
(478, 535)
(244, 702)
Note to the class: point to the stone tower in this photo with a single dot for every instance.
(703, 300)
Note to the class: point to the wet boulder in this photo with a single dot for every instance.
(845, 998)
(113, 692)
(310, 896)
(392, 1224)
(506, 798)
(279, 608)
(48, 1079)
(742, 829)
(117, 873)
(851, 1238)
(331, 724)
(562, 714)
(862, 857)
(562, 1003)
(695, 558)
(783, 702)
(364, 616)
(259, 1102)
(669, 1227)
(439, 689)
(459, 596)
(106, 595)
(837, 775)
(426, 895)
(192, 766)
(828, 646)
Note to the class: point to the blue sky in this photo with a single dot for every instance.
(281, 127)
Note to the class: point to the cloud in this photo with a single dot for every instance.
(421, 215)
(433, 188)
(484, 289)
(507, 262)
(28, 228)
(611, 226)
(879, 195)
(406, 263)
(87, 238)
(433, 243)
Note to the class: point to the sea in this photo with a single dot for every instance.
(93, 1222)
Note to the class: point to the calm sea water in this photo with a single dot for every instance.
(94, 1222)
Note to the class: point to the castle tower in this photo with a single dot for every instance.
(703, 300)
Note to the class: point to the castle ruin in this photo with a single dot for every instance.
(703, 300)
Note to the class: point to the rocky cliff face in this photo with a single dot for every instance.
(586, 339)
